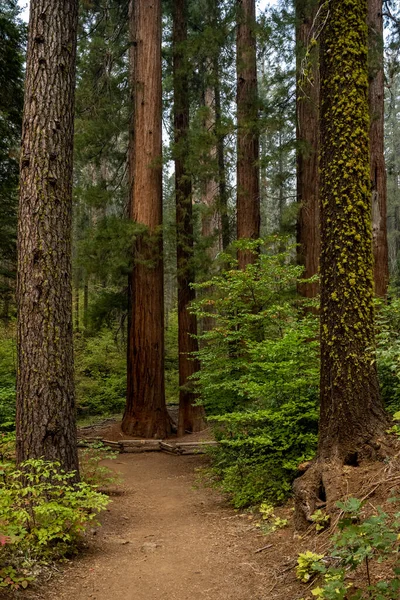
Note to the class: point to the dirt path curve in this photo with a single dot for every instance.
(166, 539)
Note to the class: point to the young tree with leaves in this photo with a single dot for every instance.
(45, 383)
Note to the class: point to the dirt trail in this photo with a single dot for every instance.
(166, 539)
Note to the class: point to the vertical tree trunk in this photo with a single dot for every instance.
(352, 416)
(86, 303)
(76, 307)
(45, 382)
(377, 163)
(145, 413)
(248, 187)
(191, 418)
(223, 195)
(308, 235)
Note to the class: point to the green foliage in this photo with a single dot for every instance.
(259, 452)
(100, 368)
(308, 565)
(91, 469)
(43, 515)
(7, 378)
(262, 350)
(388, 353)
(321, 520)
(360, 541)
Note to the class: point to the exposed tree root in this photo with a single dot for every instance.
(327, 481)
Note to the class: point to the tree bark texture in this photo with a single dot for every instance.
(352, 417)
(308, 234)
(248, 186)
(45, 382)
(377, 160)
(191, 418)
(145, 413)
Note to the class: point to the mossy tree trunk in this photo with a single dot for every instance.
(191, 418)
(145, 413)
(377, 162)
(352, 417)
(308, 235)
(45, 383)
(248, 171)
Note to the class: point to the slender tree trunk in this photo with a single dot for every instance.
(191, 418)
(76, 307)
(86, 303)
(248, 187)
(145, 413)
(352, 417)
(308, 235)
(45, 383)
(377, 162)
(222, 189)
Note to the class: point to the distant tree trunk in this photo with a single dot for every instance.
(352, 417)
(377, 164)
(191, 418)
(76, 307)
(210, 225)
(86, 303)
(222, 190)
(45, 383)
(248, 186)
(308, 235)
(145, 413)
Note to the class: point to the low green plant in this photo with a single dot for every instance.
(308, 565)
(43, 515)
(388, 353)
(7, 378)
(92, 471)
(270, 522)
(360, 541)
(321, 520)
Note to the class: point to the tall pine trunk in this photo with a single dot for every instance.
(45, 383)
(248, 186)
(352, 417)
(191, 418)
(377, 162)
(145, 413)
(308, 235)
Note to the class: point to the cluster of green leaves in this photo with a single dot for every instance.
(100, 370)
(359, 542)
(43, 515)
(259, 375)
(92, 469)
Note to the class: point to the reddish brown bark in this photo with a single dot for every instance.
(377, 162)
(45, 382)
(308, 234)
(191, 418)
(248, 186)
(145, 413)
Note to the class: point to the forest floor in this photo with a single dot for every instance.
(167, 536)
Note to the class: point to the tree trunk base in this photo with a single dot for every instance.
(327, 481)
(157, 424)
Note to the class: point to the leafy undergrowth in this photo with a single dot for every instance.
(353, 554)
(43, 514)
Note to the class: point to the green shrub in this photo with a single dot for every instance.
(7, 378)
(42, 515)
(92, 471)
(360, 541)
(259, 452)
(100, 374)
(388, 353)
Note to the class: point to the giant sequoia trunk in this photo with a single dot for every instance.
(308, 237)
(191, 418)
(352, 417)
(45, 382)
(248, 186)
(377, 162)
(145, 413)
